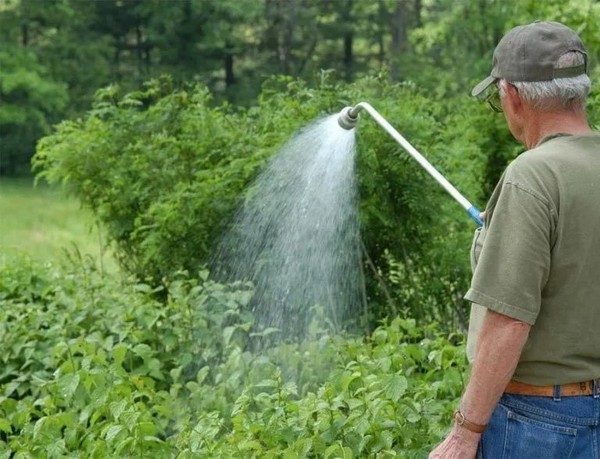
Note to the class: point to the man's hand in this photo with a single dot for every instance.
(482, 215)
(459, 444)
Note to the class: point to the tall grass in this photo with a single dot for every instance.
(42, 221)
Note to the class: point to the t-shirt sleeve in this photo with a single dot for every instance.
(514, 262)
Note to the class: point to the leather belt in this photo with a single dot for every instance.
(566, 390)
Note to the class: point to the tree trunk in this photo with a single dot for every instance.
(185, 36)
(309, 53)
(148, 60)
(229, 76)
(348, 56)
(288, 39)
(399, 39)
(348, 39)
(139, 51)
(116, 60)
(271, 37)
(382, 15)
(418, 10)
(25, 34)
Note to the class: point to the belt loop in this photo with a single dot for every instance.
(556, 393)
(596, 388)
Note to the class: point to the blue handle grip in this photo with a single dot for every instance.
(474, 213)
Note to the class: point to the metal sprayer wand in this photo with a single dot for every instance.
(348, 119)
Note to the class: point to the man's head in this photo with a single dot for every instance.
(538, 68)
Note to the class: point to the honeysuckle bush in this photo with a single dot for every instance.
(95, 365)
(164, 168)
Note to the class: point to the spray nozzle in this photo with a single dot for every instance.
(348, 118)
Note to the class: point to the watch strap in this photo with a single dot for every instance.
(460, 420)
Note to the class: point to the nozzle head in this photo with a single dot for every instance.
(347, 118)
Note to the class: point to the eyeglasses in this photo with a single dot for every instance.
(493, 99)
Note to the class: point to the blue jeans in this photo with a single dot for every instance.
(531, 427)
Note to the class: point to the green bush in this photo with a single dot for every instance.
(164, 170)
(92, 366)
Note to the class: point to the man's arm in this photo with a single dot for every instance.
(499, 347)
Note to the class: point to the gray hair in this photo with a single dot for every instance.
(561, 93)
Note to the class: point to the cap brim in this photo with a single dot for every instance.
(482, 86)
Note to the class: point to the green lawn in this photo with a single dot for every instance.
(42, 222)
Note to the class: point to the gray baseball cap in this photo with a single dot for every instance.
(530, 52)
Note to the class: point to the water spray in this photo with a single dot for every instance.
(348, 118)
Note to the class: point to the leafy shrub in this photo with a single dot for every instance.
(92, 366)
(164, 169)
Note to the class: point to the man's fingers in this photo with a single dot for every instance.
(482, 215)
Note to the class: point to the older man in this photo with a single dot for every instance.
(534, 336)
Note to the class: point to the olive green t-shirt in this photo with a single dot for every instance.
(537, 259)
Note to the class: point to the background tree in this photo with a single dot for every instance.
(233, 46)
(29, 102)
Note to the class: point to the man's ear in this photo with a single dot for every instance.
(513, 98)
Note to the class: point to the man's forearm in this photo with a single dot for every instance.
(499, 347)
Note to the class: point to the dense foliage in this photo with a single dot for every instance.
(164, 171)
(95, 365)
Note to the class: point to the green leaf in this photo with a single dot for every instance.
(119, 352)
(39, 426)
(202, 374)
(117, 408)
(396, 387)
(67, 385)
(338, 451)
(112, 432)
(5, 426)
(147, 428)
(227, 334)
(144, 351)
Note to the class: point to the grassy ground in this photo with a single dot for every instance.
(43, 221)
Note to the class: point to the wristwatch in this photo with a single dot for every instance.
(460, 420)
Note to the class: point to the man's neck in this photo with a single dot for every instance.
(544, 124)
